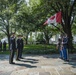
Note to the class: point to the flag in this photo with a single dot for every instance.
(54, 19)
(58, 17)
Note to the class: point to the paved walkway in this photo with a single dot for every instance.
(38, 65)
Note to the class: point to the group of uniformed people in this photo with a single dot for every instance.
(16, 46)
(63, 47)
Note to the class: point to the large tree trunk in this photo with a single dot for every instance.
(70, 38)
(67, 30)
(8, 34)
(8, 41)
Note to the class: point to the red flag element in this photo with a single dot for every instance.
(58, 17)
(54, 19)
(51, 18)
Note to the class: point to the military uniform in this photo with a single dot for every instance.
(12, 49)
(0, 46)
(4, 46)
(19, 48)
(22, 45)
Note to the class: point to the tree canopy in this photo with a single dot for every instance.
(20, 15)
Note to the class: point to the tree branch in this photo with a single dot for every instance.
(54, 8)
(60, 5)
(57, 6)
(3, 31)
(3, 20)
(72, 20)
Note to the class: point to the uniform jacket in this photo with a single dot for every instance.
(19, 43)
(12, 43)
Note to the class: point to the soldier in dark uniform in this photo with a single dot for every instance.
(12, 48)
(22, 45)
(19, 47)
(4, 45)
(0, 46)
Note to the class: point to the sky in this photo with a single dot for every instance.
(27, 1)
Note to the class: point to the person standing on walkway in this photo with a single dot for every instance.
(18, 48)
(0, 46)
(12, 48)
(64, 43)
(4, 46)
(59, 47)
(22, 46)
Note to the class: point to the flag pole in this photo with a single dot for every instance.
(57, 28)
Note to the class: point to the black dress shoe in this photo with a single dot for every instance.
(21, 58)
(18, 59)
(12, 63)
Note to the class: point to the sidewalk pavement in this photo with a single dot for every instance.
(38, 65)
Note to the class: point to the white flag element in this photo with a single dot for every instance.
(54, 19)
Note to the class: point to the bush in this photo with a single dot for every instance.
(40, 49)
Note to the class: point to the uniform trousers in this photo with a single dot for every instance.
(12, 53)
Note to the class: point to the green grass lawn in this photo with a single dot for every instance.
(38, 49)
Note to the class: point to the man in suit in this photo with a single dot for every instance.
(12, 48)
